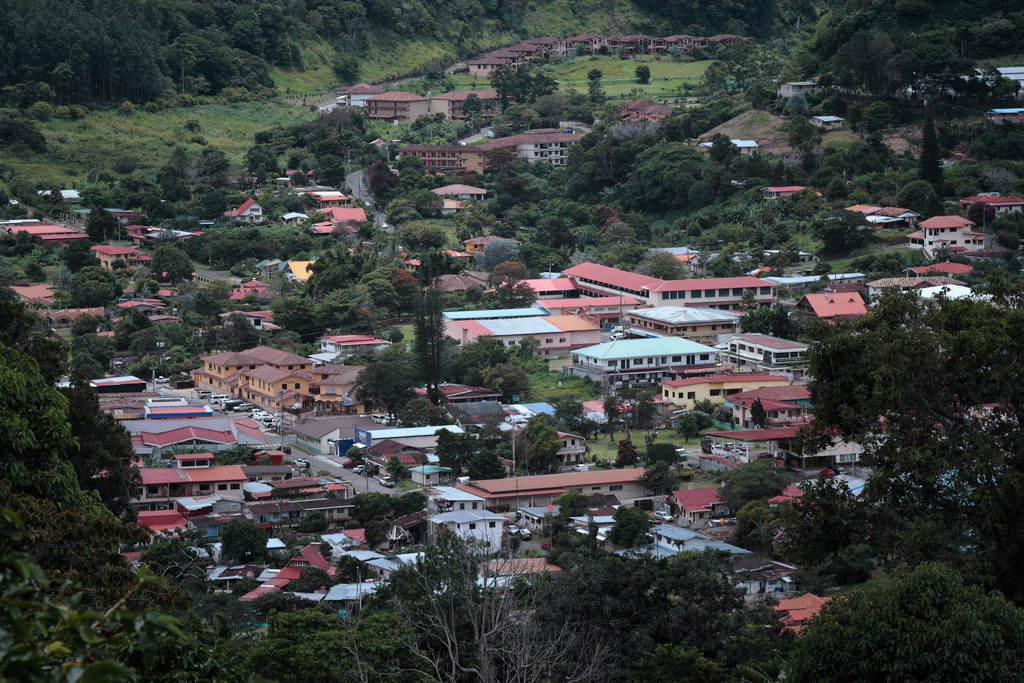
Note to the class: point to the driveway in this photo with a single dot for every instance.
(355, 184)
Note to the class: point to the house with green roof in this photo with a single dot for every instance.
(628, 362)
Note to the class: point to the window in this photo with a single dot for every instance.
(716, 392)
(696, 294)
(766, 291)
(462, 506)
(490, 524)
(677, 359)
(615, 487)
(204, 487)
(472, 525)
(152, 490)
(692, 395)
(704, 356)
(561, 340)
(709, 293)
(737, 291)
(723, 292)
(547, 341)
(235, 487)
(222, 487)
(595, 488)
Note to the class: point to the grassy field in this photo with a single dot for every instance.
(92, 144)
(553, 385)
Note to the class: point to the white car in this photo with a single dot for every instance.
(664, 516)
(161, 380)
(386, 481)
(582, 467)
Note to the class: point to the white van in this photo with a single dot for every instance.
(379, 418)
(218, 399)
(301, 462)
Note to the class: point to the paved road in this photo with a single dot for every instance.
(484, 133)
(355, 183)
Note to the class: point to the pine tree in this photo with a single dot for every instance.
(929, 170)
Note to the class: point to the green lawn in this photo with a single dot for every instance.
(553, 385)
(75, 148)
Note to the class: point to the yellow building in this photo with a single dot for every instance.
(333, 389)
(682, 394)
(223, 371)
(272, 387)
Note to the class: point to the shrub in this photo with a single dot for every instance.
(126, 108)
(41, 111)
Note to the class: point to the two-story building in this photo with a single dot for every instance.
(403, 107)
(478, 527)
(955, 233)
(724, 293)
(273, 388)
(222, 371)
(542, 489)
(765, 353)
(336, 347)
(783, 405)
(249, 212)
(556, 335)
(162, 486)
(328, 199)
(108, 254)
(572, 449)
(684, 394)
(702, 325)
(452, 104)
(642, 361)
(356, 95)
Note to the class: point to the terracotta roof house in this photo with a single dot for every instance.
(795, 612)
(44, 231)
(1001, 204)
(461, 191)
(878, 287)
(643, 110)
(946, 268)
(699, 504)
(452, 104)
(951, 232)
(404, 107)
(829, 306)
(772, 194)
(260, 290)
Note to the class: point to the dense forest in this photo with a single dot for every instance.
(72, 51)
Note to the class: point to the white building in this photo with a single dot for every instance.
(764, 352)
(479, 526)
(641, 361)
(747, 147)
(952, 232)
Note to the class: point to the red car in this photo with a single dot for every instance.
(545, 546)
(828, 473)
(349, 464)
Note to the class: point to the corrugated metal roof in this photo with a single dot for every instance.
(496, 313)
(634, 348)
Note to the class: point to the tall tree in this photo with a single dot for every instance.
(100, 225)
(948, 631)
(387, 384)
(929, 168)
(758, 415)
(430, 341)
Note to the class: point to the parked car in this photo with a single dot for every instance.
(302, 462)
(379, 418)
(525, 534)
(162, 380)
(664, 516)
(581, 467)
(359, 469)
(386, 481)
(545, 546)
(828, 472)
(513, 530)
(203, 393)
(349, 464)
(242, 407)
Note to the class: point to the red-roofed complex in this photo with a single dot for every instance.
(829, 306)
(347, 216)
(708, 292)
(44, 231)
(542, 489)
(403, 107)
(222, 370)
(452, 104)
(552, 288)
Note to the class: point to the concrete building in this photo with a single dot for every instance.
(403, 107)
(952, 232)
(109, 253)
(763, 352)
(827, 122)
(702, 325)
(452, 104)
(479, 527)
(356, 95)
(724, 293)
(682, 394)
(642, 361)
(794, 87)
(556, 335)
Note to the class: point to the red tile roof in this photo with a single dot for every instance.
(712, 283)
(734, 377)
(946, 267)
(339, 214)
(826, 306)
(758, 434)
(697, 499)
(113, 250)
(613, 276)
(946, 222)
(234, 213)
(397, 96)
(769, 342)
(458, 189)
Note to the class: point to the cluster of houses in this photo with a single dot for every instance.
(542, 144)
(545, 47)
